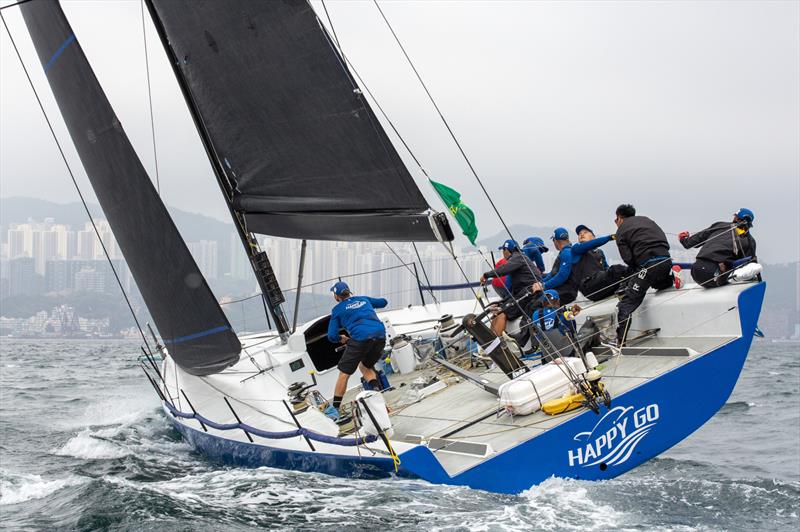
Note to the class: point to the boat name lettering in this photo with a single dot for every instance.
(614, 438)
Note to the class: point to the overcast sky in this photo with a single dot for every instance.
(688, 110)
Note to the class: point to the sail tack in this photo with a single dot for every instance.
(189, 319)
(292, 131)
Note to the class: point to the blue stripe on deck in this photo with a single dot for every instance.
(200, 334)
(69, 40)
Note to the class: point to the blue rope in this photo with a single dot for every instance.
(449, 286)
(310, 434)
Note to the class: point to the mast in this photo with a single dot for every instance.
(271, 293)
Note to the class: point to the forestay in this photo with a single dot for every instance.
(289, 126)
(183, 308)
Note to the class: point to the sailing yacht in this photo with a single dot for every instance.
(298, 152)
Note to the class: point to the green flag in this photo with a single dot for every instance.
(463, 214)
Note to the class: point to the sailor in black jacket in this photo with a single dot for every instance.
(644, 248)
(523, 273)
(721, 245)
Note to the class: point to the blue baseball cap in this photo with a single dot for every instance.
(552, 295)
(560, 234)
(510, 245)
(745, 214)
(582, 228)
(535, 241)
(340, 287)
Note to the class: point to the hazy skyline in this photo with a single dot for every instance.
(688, 110)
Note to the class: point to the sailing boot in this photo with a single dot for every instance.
(676, 277)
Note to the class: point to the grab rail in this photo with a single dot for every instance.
(310, 434)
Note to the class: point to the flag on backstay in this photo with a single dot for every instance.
(463, 214)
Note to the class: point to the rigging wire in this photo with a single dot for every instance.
(416, 276)
(460, 149)
(444, 121)
(372, 96)
(75, 182)
(463, 154)
(400, 137)
(14, 4)
(373, 120)
(424, 271)
(150, 101)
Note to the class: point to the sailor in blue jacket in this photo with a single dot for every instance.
(561, 277)
(596, 279)
(365, 338)
(553, 327)
(533, 247)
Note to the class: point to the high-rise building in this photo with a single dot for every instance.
(66, 242)
(107, 236)
(239, 263)
(17, 237)
(22, 277)
(206, 255)
(90, 280)
(85, 243)
(45, 249)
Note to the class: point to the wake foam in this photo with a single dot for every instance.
(16, 488)
(91, 446)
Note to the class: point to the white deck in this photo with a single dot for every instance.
(694, 319)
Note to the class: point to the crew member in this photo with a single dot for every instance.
(501, 284)
(523, 274)
(721, 246)
(644, 248)
(533, 247)
(365, 338)
(553, 326)
(563, 276)
(596, 279)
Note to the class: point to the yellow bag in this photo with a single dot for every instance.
(563, 404)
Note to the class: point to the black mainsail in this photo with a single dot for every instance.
(189, 319)
(289, 127)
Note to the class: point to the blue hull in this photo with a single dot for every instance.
(641, 424)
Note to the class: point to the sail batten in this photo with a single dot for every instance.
(292, 131)
(183, 308)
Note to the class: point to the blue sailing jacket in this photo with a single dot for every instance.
(568, 256)
(533, 253)
(549, 318)
(357, 315)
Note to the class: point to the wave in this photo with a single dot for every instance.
(566, 504)
(91, 446)
(149, 437)
(736, 406)
(112, 411)
(16, 488)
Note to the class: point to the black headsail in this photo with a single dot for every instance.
(187, 315)
(305, 154)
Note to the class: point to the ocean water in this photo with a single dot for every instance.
(83, 445)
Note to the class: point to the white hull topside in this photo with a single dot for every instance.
(691, 318)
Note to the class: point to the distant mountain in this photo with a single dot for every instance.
(193, 226)
(520, 232)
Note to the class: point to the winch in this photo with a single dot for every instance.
(448, 334)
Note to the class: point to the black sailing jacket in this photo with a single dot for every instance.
(522, 270)
(640, 239)
(720, 243)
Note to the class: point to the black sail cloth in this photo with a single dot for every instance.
(187, 315)
(305, 153)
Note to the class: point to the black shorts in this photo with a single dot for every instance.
(516, 310)
(365, 351)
